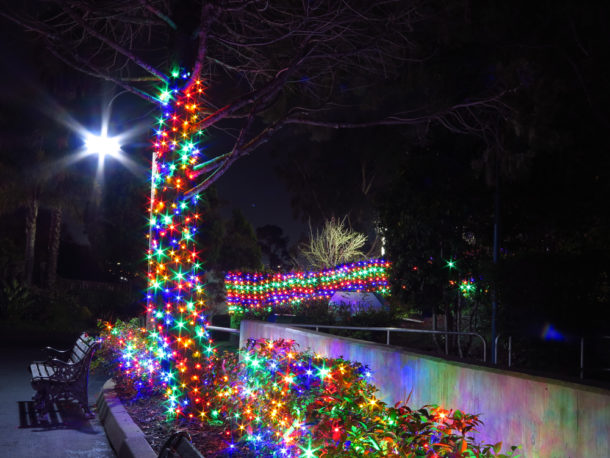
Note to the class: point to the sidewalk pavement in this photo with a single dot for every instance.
(67, 433)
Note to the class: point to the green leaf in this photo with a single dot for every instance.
(497, 447)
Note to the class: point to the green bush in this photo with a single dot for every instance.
(16, 300)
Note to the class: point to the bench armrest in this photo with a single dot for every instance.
(55, 353)
(59, 363)
(54, 362)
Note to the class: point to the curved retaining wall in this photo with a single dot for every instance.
(547, 417)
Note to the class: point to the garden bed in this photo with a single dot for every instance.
(275, 401)
(150, 417)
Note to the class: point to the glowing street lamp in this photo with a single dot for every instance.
(102, 145)
(99, 144)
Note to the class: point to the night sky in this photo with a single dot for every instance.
(252, 186)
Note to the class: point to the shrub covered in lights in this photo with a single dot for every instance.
(134, 357)
(128, 351)
(265, 292)
(286, 403)
(280, 402)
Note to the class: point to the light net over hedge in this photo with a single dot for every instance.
(252, 292)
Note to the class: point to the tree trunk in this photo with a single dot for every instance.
(53, 248)
(30, 240)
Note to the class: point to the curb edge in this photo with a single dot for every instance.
(125, 437)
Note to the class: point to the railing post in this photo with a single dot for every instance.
(582, 357)
(510, 350)
(495, 349)
(387, 340)
(446, 334)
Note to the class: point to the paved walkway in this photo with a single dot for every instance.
(67, 433)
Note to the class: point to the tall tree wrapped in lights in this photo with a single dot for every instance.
(175, 298)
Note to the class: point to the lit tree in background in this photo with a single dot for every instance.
(335, 244)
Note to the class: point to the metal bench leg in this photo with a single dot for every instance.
(42, 403)
(80, 393)
(84, 402)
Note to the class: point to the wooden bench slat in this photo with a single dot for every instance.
(77, 354)
(41, 371)
(81, 347)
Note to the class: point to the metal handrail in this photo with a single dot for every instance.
(581, 372)
(510, 346)
(582, 356)
(220, 328)
(389, 329)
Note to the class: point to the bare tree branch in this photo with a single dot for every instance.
(272, 63)
(335, 244)
(120, 49)
(159, 14)
(83, 68)
(207, 17)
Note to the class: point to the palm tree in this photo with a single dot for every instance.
(22, 189)
(33, 186)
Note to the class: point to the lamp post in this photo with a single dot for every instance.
(104, 145)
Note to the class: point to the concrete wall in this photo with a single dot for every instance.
(548, 418)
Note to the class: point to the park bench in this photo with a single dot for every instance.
(64, 375)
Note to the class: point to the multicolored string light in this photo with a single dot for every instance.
(128, 348)
(252, 292)
(271, 405)
(175, 298)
